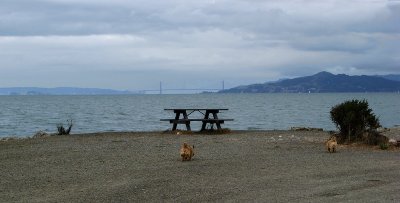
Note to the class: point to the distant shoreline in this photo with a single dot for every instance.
(138, 93)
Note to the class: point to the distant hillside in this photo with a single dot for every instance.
(391, 77)
(322, 82)
(59, 91)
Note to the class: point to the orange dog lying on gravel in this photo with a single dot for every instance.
(331, 144)
(186, 152)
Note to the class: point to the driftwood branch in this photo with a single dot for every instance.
(62, 131)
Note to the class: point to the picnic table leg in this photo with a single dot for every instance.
(217, 123)
(185, 116)
(206, 116)
(177, 114)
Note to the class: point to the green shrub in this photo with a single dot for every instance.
(383, 146)
(353, 118)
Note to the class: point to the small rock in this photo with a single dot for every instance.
(298, 128)
(40, 134)
(305, 129)
(393, 142)
(382, 130)
(5, 139)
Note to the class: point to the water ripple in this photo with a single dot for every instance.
(25, 115)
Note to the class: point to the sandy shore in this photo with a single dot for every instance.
(262, 166)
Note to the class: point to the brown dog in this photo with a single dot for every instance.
(331, 144)
(186, 152)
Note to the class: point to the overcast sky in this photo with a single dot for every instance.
(135, 44)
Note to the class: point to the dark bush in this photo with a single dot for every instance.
(62, 131)
(353, 118)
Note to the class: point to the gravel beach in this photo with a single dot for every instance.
(250, 166)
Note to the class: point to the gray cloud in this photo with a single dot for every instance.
(239, 41)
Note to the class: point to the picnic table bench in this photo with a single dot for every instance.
(206, 119)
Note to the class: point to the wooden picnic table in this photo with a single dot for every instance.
(186, 112)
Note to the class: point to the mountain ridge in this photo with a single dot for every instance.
(322, 82)
(391, 77)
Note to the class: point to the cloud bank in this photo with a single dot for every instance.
(126, 44)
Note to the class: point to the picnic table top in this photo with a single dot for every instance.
(198, 119)
(197, 109)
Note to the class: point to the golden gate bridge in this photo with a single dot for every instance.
(162, 90)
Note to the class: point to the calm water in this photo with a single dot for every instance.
(25, 115)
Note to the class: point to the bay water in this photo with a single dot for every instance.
(25, 115)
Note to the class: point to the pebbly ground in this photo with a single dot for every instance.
(251, 166)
